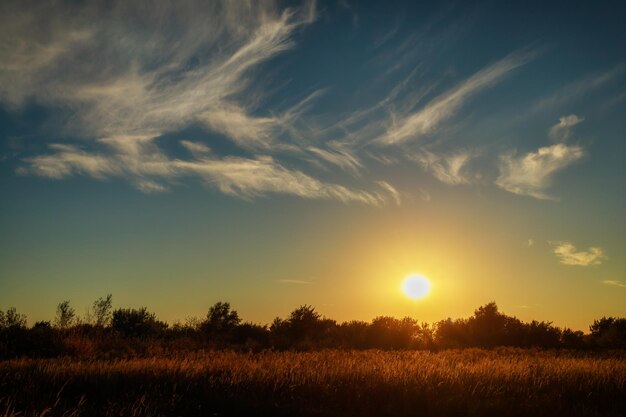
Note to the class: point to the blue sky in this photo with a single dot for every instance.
(276, 154)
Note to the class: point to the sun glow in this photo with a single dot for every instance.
(416, 286)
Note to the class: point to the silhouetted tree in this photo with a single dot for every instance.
(43, 341)
(392, 333)
(426, 336)
(136, 322)
(42, 325)
(571, 339)
(304, 317)
(251, 336)
(189, 327)
(278, 333)
(220, 323)
(221, 318)
(353, 334)
(304, 329)
(101, 311)
(305, 323)
(488, 327)
(542, 334)
(12, 319)
(452, 333)
(13, 334)
(609, 332)
(65, 315)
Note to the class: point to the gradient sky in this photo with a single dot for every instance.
(273, 155)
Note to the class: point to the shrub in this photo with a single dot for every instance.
(136, 322)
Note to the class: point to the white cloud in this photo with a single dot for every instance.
(187, 63)
(134, 157)
(382, 159)
(614, 282)
(249, 178)
(138, 156)
(562, 130)
(578, 90)
(449, 169)
(126, 85)
(123, 85)
(140, 160)
(533, 173)
(529, 243)
(395, 195)
(338, 155)
(567, 254)
(197, 149)
(245, 130)
(425, 121)
(69, 160)
(149, 187)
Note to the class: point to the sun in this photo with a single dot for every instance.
(416, 286)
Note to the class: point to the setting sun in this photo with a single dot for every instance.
(416, 286)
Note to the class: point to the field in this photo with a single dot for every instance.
(471, 382)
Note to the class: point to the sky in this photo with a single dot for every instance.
(176, 154)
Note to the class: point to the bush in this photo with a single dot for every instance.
(136, 322)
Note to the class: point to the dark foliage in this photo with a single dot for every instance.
(220, 324)
(304, 329)
(66, 315)
(609, 332)
(136, 322)
(488, 328)
(101, 311)
(137, 332)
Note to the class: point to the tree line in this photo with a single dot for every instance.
(128, 331)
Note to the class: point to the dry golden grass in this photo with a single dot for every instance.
(468, 382)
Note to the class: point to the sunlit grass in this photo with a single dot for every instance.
(469, 382)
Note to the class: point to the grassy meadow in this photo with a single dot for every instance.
(469, 382)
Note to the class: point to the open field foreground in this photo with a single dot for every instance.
(471, 382)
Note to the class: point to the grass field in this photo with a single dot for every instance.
(467, 382)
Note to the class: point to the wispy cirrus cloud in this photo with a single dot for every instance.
(562, 130)
(338, 155)
(249, 178)
(391, 191)
(149, 186)
(138, 159)
(197, 149)
(568, 254)
(138, 84)
(577, 90)
(422, 122)
(450, 169)
(119, 79)
(532, 174)
(123, 87)
(614, 282)
(126, 85)
(69, 160)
